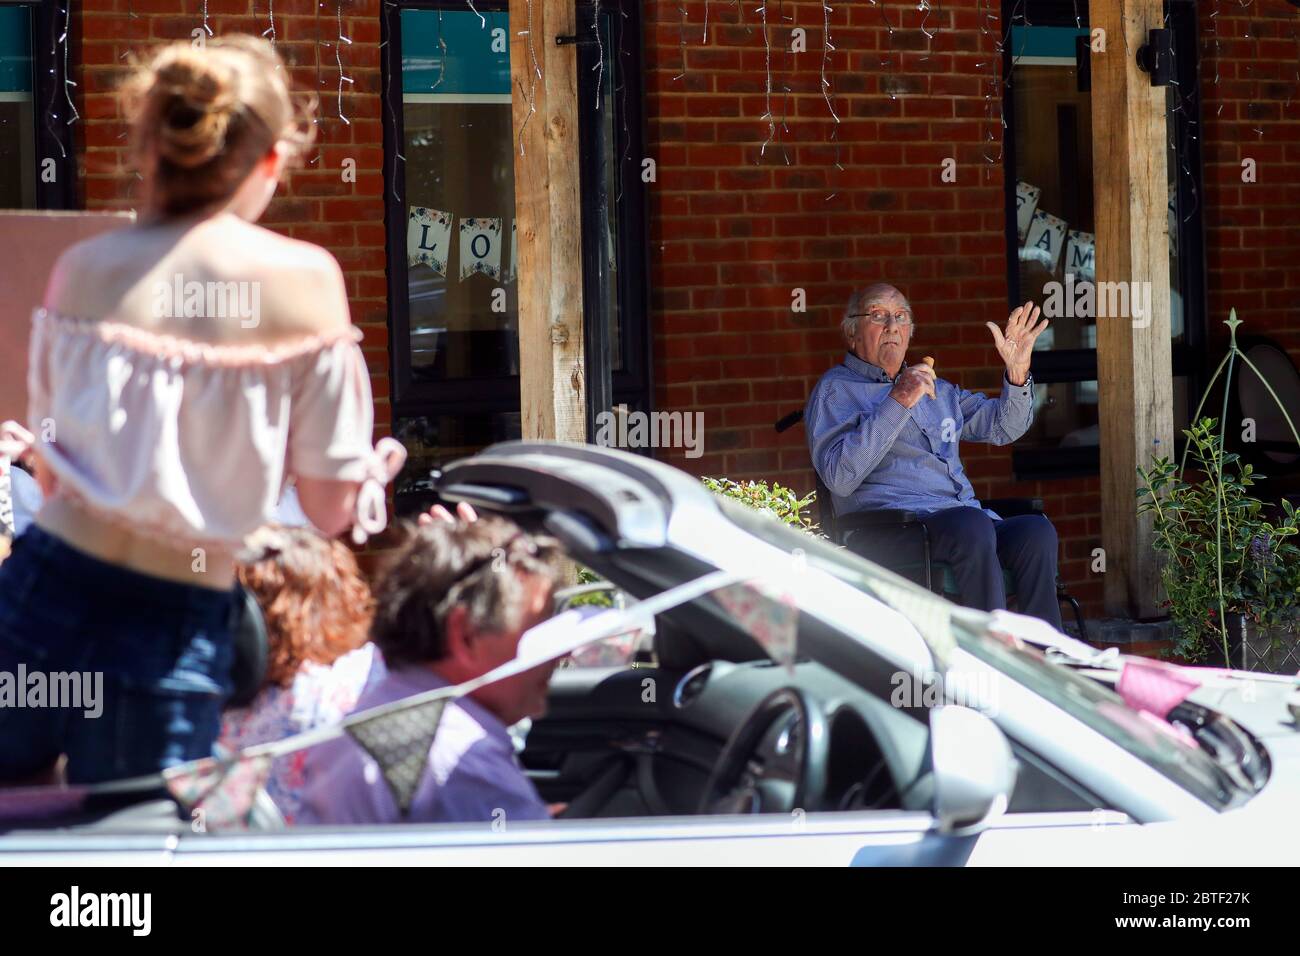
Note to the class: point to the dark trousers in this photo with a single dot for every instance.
(157, 655)
(978, 548)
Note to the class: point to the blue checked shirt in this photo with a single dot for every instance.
(871, 452)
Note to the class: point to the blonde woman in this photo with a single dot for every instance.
(183, 371)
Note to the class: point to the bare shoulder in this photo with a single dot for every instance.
(302, 286)
(76, 282)
(299, 285)
(175, 278)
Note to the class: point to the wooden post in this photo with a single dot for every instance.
(1134, 363)
(548, 219)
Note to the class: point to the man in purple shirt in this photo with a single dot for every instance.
(451, 607)
(885, 434)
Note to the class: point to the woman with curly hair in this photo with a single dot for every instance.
(317, 609)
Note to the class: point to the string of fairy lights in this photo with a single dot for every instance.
(929, 19)
(270, 31)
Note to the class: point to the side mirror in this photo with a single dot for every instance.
(974, 770)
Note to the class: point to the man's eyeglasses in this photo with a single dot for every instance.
(877, 317)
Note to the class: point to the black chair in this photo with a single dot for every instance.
(252, 649)
(919, 565)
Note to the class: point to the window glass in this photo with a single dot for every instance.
(1056, 234)
(612, 138)
(1056, 228)
(17, 124)
(1065, 414)
(460, 194)
(459, 147)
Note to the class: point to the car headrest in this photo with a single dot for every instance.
(251, 648)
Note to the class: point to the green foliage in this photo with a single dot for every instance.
(780, 502)
(1222, 552)
(597, 598)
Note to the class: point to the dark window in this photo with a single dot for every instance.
(36, 138)
(1048, 147)
(449, 186)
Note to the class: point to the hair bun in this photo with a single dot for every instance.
(202, 118)
(193, 95)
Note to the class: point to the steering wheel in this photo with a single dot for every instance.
(776, 760)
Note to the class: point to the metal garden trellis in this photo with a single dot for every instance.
(1229, 360)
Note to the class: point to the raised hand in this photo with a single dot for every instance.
(1015, 345)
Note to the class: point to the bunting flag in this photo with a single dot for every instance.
(480, 247)
(1154, 686)
(1026, 204)
(399, 742)
(223, 790)
(1080, 254)
(428, 238)
(767, 614)
(1046, 240)
(930, 614)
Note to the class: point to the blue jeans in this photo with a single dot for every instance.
(978, 548)
(159, 651)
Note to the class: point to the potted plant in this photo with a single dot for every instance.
(1232, 569)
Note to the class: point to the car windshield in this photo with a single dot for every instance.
(1096, 706)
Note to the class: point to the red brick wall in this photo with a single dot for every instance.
(315, 204)
(1253, 112)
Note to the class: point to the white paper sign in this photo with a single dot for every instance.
(480, 247)
(1080, 255)
(428, 238)
(1046, 240)
(1026, 203)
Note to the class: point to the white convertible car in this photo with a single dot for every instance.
(828, 713)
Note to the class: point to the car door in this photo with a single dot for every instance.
(872, 838)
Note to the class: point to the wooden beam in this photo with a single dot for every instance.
(1134, 363)
(548, 219)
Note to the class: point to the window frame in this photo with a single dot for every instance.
(55, 140)
(410, 398)
(1080, 365)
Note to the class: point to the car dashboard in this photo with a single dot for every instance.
(644, 740)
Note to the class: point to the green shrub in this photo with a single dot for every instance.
(780, 502)
(1214, 534)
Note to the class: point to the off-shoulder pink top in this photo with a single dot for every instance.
(190, 441)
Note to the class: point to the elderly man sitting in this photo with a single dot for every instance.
(884, 434)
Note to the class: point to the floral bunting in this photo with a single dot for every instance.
(1046, 240)
(428, 238)
(480, 247)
